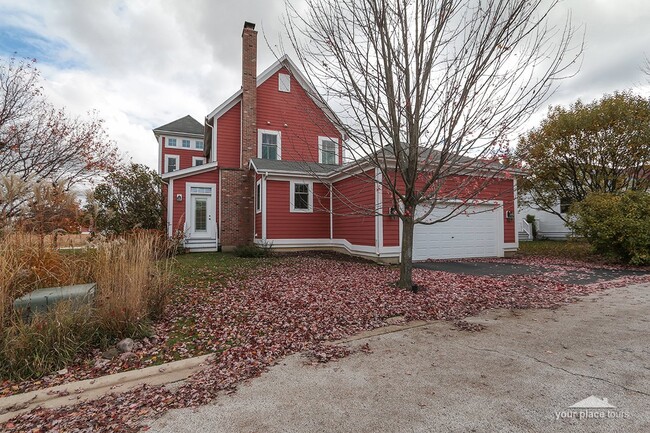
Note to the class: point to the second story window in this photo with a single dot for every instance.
(269, 145)
(171, 163)
(328, 150)
(171, 142)
(199, 144)
(197, 160)
(186, 143)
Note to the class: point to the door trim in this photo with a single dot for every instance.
(211, 210)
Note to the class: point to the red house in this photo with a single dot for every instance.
(268, 167)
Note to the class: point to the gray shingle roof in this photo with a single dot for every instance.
(187, 125)
(293, 166)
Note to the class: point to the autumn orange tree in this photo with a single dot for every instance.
(42, 143)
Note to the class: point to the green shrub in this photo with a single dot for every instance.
(253, 251)
(616, 225)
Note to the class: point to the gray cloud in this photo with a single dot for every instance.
(143, 63)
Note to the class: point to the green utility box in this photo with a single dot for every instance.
(42, 299)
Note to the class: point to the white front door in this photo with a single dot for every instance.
(201, 213)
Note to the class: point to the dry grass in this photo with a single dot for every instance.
(27, 264)
(132, 284)
(132, 287)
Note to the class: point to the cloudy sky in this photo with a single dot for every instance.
(143, 63)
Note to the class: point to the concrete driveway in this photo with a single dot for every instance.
(568, 275)
(520, 374)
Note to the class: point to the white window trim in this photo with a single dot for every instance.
(320, 149)
(259, 141)
(197, 147)
(179, 143)
(258, 196)
(292, 189)
(178, 162)
(284, 79)
(197, 158)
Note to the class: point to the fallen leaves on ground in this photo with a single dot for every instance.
(295, 305)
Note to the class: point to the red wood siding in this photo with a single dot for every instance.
(281, 223)
(185, 160)
(178, 212)
(354, 223)
(304, 121)
(228, 138)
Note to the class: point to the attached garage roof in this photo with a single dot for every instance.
(184, 125)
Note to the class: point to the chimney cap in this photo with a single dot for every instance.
(249, 25)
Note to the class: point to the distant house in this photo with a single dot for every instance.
(549, 225)
(267, 167)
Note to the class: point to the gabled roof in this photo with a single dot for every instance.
(184, 125)
(282, 62)
(269, 165)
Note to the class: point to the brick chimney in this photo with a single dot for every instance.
(249, 93)
(237, 183)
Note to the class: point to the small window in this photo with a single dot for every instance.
(199, 144)
(301, 197)
(171, 142)
(197, 160)
(284, 83)
(565, 204)
(171, 163)
(328, 149)
(200, 190)
(269, 145)
(186, 143)
(258, 197)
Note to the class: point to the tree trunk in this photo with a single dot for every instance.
(406, 265)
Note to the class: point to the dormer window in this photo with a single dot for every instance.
(328, 150)
(269, 144)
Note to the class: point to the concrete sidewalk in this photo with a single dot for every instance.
(520, 374)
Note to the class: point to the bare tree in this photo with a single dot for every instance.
(428, 91)
(39, 142)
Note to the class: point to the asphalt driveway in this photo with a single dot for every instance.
(520, 374)
(567, 275)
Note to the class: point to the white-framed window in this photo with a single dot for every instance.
(171, 163)
(328, 150)
(269, 144)
(258, 196)
(171, 142)
(284, 83)
(197, 160)
(186, 143)
(198, 144)
(301, 197)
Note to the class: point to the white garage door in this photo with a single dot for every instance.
(473, 235)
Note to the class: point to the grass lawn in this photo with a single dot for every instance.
(209, 269)
(575, 249)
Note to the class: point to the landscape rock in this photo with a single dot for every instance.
(125, 345)
(110, 353)
(127, 355)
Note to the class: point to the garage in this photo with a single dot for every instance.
(474, 234)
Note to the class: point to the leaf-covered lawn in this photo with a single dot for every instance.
(260, 312)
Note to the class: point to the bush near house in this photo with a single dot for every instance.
(132, 287)
(616, 225)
